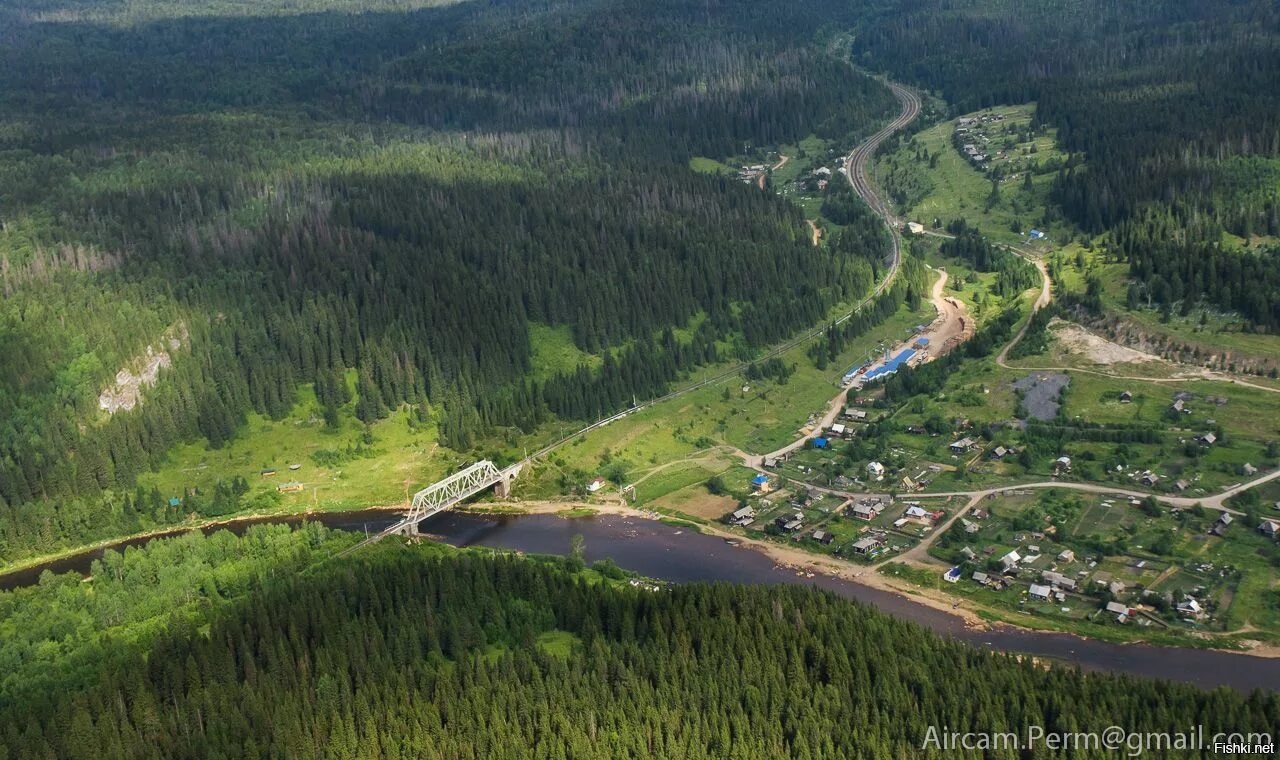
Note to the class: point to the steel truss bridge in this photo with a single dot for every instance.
(459, 486)
(446, 494)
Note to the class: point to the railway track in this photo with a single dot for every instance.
(855, 171)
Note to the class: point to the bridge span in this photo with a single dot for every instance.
(448, 493)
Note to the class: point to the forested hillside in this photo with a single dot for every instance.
(401, 653)
(1173, 106)
(277, 198)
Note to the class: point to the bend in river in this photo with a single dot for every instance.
(661, 551)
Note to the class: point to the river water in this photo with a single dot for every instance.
(669, 553)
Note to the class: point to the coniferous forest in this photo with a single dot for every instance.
(278, 198)
(438, 653)
(386, 200)
(283, 193)
(1170, 112)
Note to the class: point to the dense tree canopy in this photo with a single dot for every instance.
(1174, 107)
(277, 198)
(397, 654)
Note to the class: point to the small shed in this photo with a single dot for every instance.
(865, 545)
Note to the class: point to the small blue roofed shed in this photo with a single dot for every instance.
(760, 480)
(174, 501)
(819, 443)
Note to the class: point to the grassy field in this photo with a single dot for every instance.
(348, 468)
(981, 394)
(704, 165)
(753, 416)
(931, 180)
(554, 351)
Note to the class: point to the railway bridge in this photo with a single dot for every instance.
(458, 487)
(448, 493)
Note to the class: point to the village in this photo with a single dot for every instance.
(1096, 558)
(1100, 558)
(865, 529)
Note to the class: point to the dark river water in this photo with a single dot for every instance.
(669, 553)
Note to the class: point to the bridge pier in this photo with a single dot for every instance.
(508, 478)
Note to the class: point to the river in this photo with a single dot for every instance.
(669, 553)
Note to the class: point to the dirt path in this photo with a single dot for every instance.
(804, 562)
(950, 326)
(705, 456)
(815, 231)
(1042, 300)
(854, 170)
(781, 163)
(1046, 295)
(921, 550)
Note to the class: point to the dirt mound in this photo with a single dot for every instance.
(1077, 340)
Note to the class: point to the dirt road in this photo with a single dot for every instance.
(953, 325)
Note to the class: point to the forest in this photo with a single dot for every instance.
(1170, 112)
(253, 198)
(280, 198)
(1013, 273)
(444, 653)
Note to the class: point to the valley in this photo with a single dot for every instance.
(597, 378)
